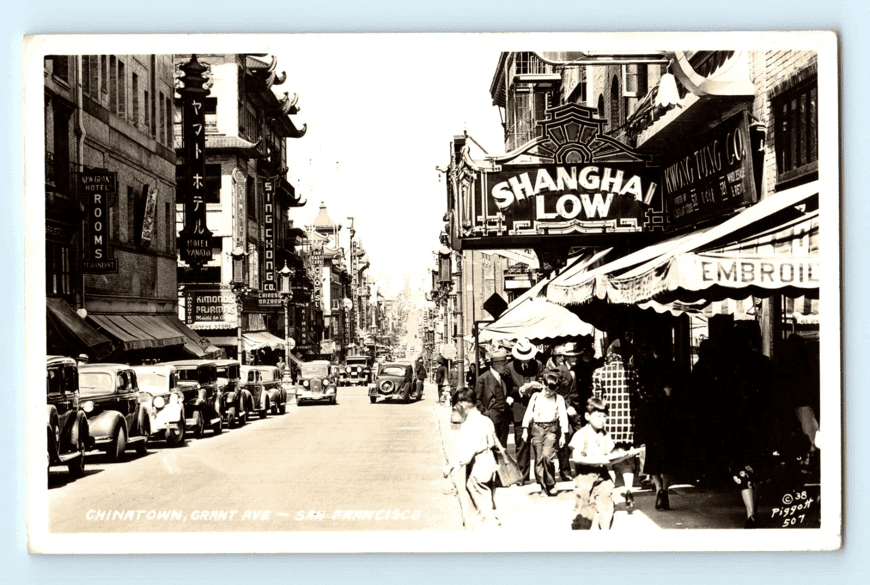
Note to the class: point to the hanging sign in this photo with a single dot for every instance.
(97, 185)
(269, 239)
(195, 240)
(210, 309)
(713, 175)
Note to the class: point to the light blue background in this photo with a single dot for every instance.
(848, 17)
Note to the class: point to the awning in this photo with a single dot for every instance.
(631, 278)
(72, 334)
(138, 331)
(222, 341)
(193, 342)
(257, 339)
(533, 316)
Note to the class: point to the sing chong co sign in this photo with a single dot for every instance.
(570, 181)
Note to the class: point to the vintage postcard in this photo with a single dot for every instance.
(395, 292)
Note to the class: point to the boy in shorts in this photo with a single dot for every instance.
(593, 488)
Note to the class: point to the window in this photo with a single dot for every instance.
(634, 80)
(147, 112)
(113, 85)
(251, 199)
(122, 89)
(169, 122)
(104, 74)
(796, 131)
(162, 137)
(86, 74)
(614, 104)
(169, 223)
(134, 88)
(600, 106)
(57, 269)
(59, 66)
(132, 201)
(212, 183)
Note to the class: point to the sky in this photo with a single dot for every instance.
(381, 113)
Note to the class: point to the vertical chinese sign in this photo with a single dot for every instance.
(195, 242)
(269, 228)
(98, 185)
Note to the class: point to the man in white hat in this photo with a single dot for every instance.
(525, 375)
(491, 390)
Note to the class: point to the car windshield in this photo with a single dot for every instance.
(152, 382)
(356, 361)
(314, 370)
(188, 375)
(393, 371)
(96, 383)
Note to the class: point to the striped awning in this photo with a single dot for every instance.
(257, 339)
(138, 331)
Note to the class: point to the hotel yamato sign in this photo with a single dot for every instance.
(572, 180)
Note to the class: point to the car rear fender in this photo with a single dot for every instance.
(105, 423)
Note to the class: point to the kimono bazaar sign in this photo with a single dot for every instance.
(714, 175)
(210, 309)
(98, 185)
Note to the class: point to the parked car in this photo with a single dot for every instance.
(118, 419)
(197, 380)
(67, 424)
(315, 383)
(394, 380)
(264, 384)
(165, 401)
(358, 370)
(237, 400)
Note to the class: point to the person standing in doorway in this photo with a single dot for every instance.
(525, 374)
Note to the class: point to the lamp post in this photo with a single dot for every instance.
(286, 296)
(239, 288)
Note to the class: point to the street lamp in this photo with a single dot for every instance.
(286, 296)
(240, 289)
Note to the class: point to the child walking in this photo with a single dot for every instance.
(548, 418)
(593, 488)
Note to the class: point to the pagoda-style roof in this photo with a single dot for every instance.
(260, 75)
(323, 221)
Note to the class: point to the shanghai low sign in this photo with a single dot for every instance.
(571, 180)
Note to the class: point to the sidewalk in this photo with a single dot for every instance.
(521, 508)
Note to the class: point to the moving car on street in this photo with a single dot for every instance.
(315, 383)
(197, 380)
(238, 401)
(158, 384)
(264, 384)
(118, 419)
(394, 380)
(358, 369)
(67, 424)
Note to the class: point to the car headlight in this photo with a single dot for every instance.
(347, 369)
(88, 406)
(305, 383)
(159, 402)
(326, 382)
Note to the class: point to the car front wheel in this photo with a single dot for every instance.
(118, 445)
(232, 417)
(175, 437)
(77, 466)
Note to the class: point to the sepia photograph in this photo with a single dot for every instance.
(433, 292)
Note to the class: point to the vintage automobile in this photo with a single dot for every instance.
(265, 385)
(315, 383)
(358, 369)
(159, 384)
(339, 373)
(394, 380)
(203, 404)
(67, 424)
(118, 416)
(238, 400)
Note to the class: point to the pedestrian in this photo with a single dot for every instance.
(583, 368)
(441, 381)
(491, 391)
(474, 448)
(453, 378)
(568, 354)
(616, 383)
(83, 359)
(420, 373)
(525, 374)
(547, 416)
(593, 486)
(280, 365)
(471, 376)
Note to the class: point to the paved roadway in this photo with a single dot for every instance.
(354, 466)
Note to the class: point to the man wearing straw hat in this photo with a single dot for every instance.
(491, 390)
(525, 374)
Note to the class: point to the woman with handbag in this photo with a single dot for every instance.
(474, 448)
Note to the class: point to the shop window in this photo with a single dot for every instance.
(796, 131)
(57, 269)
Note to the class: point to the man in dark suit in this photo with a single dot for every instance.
(492, 390)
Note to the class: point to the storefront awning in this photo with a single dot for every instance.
(631, 279)
(193, 342)
(71, 334)
(258, 339)
(138, 331)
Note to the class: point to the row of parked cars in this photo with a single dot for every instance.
(116, 407)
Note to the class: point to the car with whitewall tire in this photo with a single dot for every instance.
(158, 385)
(394, 380)
(238, 401)
(67, 424)
(203, 403)
(266, 387)
(315, 383)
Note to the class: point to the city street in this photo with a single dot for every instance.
(353, 466)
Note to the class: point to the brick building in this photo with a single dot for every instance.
(110, 208)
